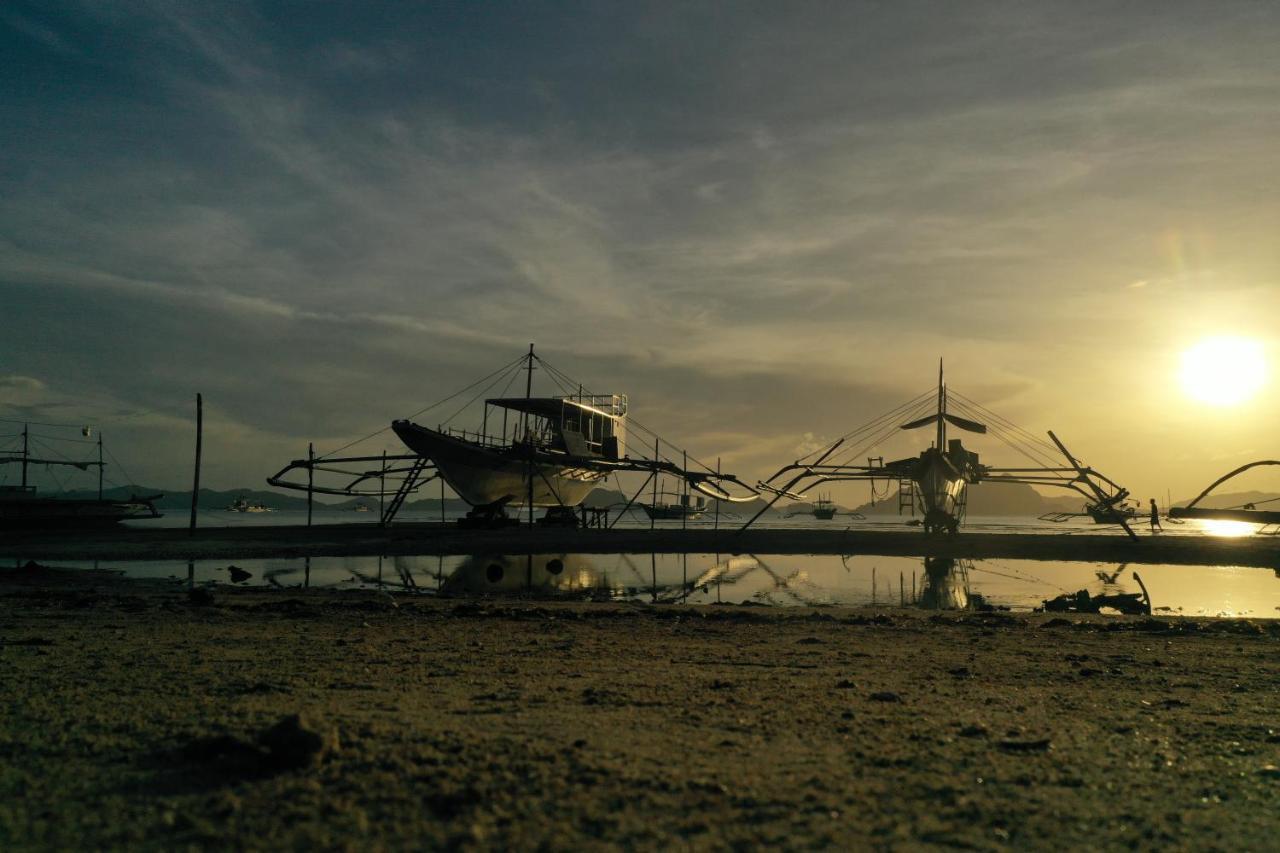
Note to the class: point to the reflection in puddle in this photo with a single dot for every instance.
(772, 580)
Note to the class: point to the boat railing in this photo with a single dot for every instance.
(612, 404)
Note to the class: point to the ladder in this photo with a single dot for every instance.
(407, 486)
(907, 496)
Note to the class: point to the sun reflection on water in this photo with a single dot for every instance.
(1225, 527)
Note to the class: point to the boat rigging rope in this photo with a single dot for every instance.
(500, 370)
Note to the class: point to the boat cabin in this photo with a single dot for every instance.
(587, 425)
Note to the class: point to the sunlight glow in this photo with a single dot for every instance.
(1224, 527)
(1224, 371)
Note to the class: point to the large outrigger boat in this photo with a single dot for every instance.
(936, 482)
(545, 452)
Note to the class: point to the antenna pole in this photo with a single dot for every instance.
(942, 409)
(311, 476)
(195, 483)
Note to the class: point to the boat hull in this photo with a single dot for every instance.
(44, 513)
(482, 475)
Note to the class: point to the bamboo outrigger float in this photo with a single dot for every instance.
(936, 482)
(1247, 512)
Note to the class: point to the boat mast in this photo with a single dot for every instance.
(942, 409)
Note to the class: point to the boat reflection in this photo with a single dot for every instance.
(578, 576)
(946, 585)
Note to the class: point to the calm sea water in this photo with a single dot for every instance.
(634, 520)
(778, 580)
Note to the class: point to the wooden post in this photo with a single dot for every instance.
(25, 452)
(311, 477)
(717, 500)
(655, 483)
(99, 465)
(382, 504)
(914, 599)
(873, 584)
(684, 510)
(442, 521)
(195, 485)
(902, 590)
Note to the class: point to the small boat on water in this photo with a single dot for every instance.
(22, 508)
(675, 510)
(243, 504)
(823, 509)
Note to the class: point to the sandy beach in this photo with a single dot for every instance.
(137, 714)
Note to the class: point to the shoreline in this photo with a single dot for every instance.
(339, 540)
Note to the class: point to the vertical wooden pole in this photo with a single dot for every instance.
(873, 584)
(528, 391)
(655, 483)
(902, 590)
(442, 521)
(382, 504)
(195, 484)
(99, 465)
(25, 452)
(684, 510)
(311, 478)
(717, 500)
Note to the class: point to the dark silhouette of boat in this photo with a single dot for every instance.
(22, 508)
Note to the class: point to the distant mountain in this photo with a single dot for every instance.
(1230, 500)
(1006, 499)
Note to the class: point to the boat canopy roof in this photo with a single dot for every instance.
(609, 405)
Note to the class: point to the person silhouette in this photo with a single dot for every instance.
(1155, 518)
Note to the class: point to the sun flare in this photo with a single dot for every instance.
(1224, 371)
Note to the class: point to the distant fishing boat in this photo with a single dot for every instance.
(22, 508)
(675, 510)
(242, 504)
(823, 509)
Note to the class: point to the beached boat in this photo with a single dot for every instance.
(530, 451)
(543, 455)
(21, 507)
(935, 483)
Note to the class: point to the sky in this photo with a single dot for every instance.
(764, 222)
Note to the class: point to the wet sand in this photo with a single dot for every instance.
(365, 539)
(134, 716)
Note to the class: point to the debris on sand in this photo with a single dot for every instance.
(292, 744)
(289, 744)
(200, 597)
(1040, 745)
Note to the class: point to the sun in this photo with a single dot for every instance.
(1224, 371)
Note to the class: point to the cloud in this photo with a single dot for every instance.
(778, 219)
